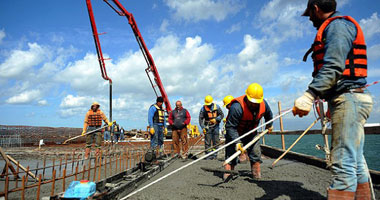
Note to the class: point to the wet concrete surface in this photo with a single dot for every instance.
(288, 180)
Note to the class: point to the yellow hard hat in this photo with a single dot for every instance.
(95, 104)
(255, 93)
(227, 100)
(208, 100)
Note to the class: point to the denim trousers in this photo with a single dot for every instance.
(349, 113)
(157, 139)
(107, 136)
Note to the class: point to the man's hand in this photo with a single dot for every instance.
(303, 104)
(151, 131)
(213, 121)
(239, 147)
(204, 131)
(83, 132)
(165, 131)
(270, 129)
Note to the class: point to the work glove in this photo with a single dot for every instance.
(204, 131)
(110, 123)
(213, 121)
(165, 131)
(224, 120)
(239, 147)
(151, 131)
(270, 129)
(303, 104)
(83, 132)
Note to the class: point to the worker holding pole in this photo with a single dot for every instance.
(210, 117)
(339, 77)
(93, 120)
(157, 124)
(244, 115)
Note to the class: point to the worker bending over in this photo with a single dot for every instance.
(210, 117)
(339, 76)
(92, 121)
(244, 115)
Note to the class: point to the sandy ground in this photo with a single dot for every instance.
(288, 180)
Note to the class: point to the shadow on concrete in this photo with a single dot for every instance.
(294, 190)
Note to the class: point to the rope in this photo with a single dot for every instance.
(205, 156)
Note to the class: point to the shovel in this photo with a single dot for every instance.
(88, 133)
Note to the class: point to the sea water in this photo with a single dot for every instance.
(308, 142)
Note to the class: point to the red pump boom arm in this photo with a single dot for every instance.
(148, 57)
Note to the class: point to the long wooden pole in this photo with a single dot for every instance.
(22, 167)
(88, 133)
(295, 142)
(281, 127)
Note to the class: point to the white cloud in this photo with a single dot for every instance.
(2, 35)
(234, 28)
(20, 62)
(42, 102)
(370, 26)
(164, 25)
(25, 97)
(290, 61)
(197, 10)
(84, 75)
(284, 25)
(71, 101)
(373, 52)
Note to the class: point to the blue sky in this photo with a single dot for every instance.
(49, 73)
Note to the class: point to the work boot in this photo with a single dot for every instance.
(87, 153)
(363, 192)
(256, 171)
(227, 176)
(340, 195)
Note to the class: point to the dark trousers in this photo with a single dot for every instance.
(254, 151)
(212, 139)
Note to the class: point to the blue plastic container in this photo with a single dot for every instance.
(80, 189)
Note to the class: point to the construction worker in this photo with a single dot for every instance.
(157, 124)
(210, 117)
(92, 121)
(116, 132)
(226, 103)
(339, 77)
(244, 115)
(227, 100)
(179, 118)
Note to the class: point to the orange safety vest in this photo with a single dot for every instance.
(248, 122)
(94, 118)
(356, 62)
(211, 113)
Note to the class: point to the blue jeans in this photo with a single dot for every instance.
(107, 135)
(212, 136)
(349, 112)
(158, 137)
